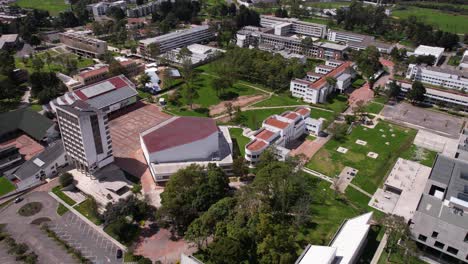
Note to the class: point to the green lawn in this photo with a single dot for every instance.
(53, 6)
(337, 103)
(57, 190)
(374, 108)
(241, 141)
(279, 100)
(57, 64)
(35, 107)
(445, 21)
(317, 20)
(327, 5)
(454, 60)
(327, 115)
(6, 186)
(85, 208)
(371, 171)
(61, 209)
(424, 156)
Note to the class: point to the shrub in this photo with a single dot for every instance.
(66, 179)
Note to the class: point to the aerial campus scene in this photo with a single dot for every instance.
(234, 131)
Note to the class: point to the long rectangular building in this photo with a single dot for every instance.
(358, 41)
(264, 39)
(448, 78)
(83, 45)
(284, 26)
(177, 39)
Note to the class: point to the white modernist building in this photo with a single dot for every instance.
(358, 41)
(464, 60)
(279, 131)
(100, 9)
(177, 39)
(109, 95)
(85, 135)
(285, 26)
(344, 248)
(315, 88)
(199, 54)
(448, 78)
(180, 141)
(423, 50)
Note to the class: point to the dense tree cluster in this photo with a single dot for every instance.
(258, 66)
(367, 61)
(189, 193)
(247, 17)
(45, 86)
(260, 223)
(170, 13)
(8, 84)
(373, 20)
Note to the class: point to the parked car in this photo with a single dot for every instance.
(18, 199)
(119, 254)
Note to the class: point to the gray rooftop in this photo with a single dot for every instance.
(49, 155)
(173, 35)
(454, 174)
(112, 97)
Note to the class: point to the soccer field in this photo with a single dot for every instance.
(53, 6)
(445, 21)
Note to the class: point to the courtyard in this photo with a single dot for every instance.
(385, 140)
(125, 132)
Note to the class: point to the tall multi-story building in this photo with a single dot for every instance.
(83, 45)
(266, 39)
(440, 222)
(448, 78)
(85, 135)
(358, 41)
(279, 131)
(285, 26)
(177, 39)
(142, 10)
(316, 86)
(100, 9)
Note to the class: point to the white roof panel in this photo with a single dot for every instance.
(98, 89)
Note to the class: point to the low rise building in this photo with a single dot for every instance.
(83, 45)
(286, 26)
(142, 10)
(448, 78)
(23, 121)
(100, 9)
(181, 141)
(9, 41)
(177, 39)
(440, 97)
(358, 41)
(43, 166)
(108, 96)
(92, 76)
(423, 50)
(199, 54)
(266, 39)
(85, 135)
(345, 247)
(440, 222)
(69, 82)
(279, 131)
(317, 86)
(464, 60)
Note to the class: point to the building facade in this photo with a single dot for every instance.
(177, 39)
(285, 26)
(448, 78)
(85, 135)
(315, 87)
(83, 45)
(142, 10)
(358, 41)
(181, 141)
(440, 222)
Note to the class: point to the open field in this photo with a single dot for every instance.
(327, 5)
(241, 141)
(5, 186)
(445, 21)
(280, 100)
(373, 107)
(53, 6)
(371, 171)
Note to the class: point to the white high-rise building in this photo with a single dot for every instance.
(86, 136)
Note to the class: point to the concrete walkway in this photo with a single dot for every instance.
(95, 227)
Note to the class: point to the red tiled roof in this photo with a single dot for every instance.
(265, 134)
(256, 145)
(181, 131)
(127, 62)
(290, 115)
(99, 71)
(334, 73)
(117, 81)
(276, 123)
(302, 111)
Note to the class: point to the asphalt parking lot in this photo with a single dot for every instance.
(417, 117)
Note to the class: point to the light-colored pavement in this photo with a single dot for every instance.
(380, 249)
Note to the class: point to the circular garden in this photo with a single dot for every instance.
(30, 209)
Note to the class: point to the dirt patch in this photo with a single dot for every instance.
(240, 101)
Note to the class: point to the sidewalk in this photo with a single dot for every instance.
(380, 249)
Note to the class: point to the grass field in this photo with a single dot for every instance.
(6, 186)
(61, 209)
(337, 103)
(57, 64)
(280, 100)
(374, 108)
(424, 156)
(445, 21)
(371, 171)
(53, 6)
(327, 5)
(241, 141)
(85, 209)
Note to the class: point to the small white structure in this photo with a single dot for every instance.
(342, 150)
(464, 60)
(154, 79)
(361, 142)
(199, 54)
(314, 126)
(372, 155)
(423, 50)
(344, 248)
(181, 141)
